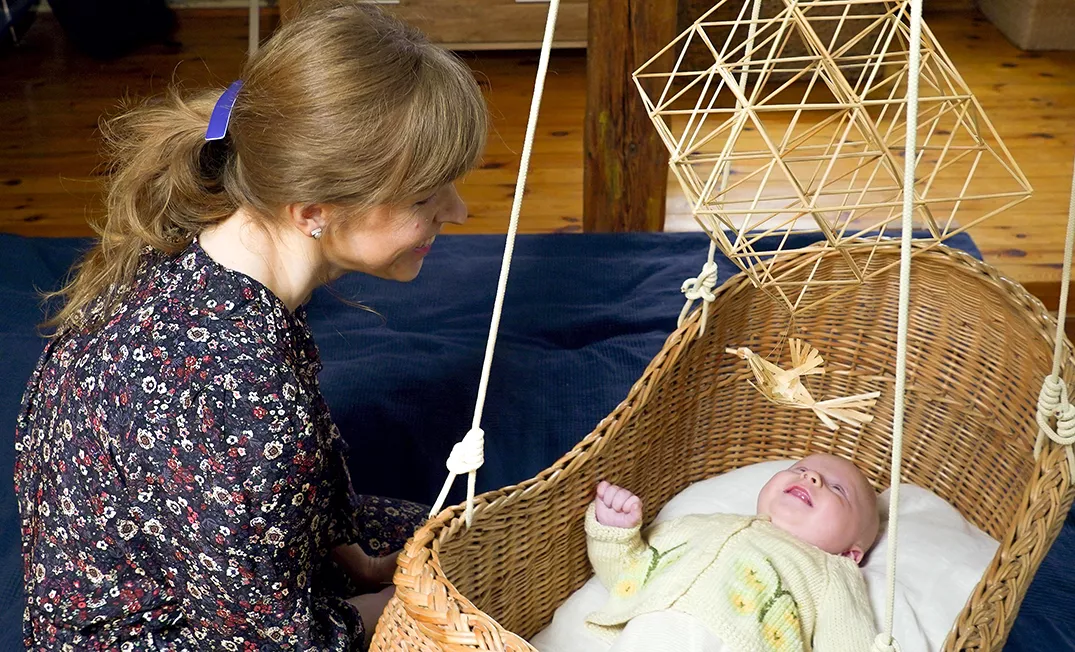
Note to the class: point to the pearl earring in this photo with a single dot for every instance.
(316, 233)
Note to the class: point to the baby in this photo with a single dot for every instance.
(785, 579)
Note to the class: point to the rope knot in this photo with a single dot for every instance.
(469, 454)
(1053, 394)
(701, 286)
(1053, 404)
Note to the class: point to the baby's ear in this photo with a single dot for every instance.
(855, 553)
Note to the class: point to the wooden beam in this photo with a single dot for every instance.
(625, 174)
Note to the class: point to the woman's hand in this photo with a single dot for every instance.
(368, 573)
(617, 507)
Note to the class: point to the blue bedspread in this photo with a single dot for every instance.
(583, 317)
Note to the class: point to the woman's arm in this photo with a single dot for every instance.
(369, 574)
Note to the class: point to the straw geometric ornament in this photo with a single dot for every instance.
(790, 115)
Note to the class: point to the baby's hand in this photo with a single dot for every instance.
(617, 507)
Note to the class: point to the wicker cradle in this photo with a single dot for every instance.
(979, 347)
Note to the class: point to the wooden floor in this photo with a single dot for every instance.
(51, 98)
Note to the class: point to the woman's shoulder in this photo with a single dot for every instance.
(187, 326)
(196, 287)
(189, 297)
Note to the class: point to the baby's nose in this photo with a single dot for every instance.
(813, 478)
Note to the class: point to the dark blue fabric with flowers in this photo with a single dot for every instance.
(180, 479)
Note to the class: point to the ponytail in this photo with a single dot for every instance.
(165, 185)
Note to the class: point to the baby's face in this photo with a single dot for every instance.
(826, 501)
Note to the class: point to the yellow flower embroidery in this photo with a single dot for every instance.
(780, 624)
(752, 578)
(626, 588)
(641, 570)
(791, 619)
(750, 586)
(742, 603)
(757, 593)
(774, 637)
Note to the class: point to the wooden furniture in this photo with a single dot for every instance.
(483, 24)
(1034, 24)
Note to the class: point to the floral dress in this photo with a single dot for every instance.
(180, 479)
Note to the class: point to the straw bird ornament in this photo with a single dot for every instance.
(785, 386)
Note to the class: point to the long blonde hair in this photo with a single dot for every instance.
(344, 105)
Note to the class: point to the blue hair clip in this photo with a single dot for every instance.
(218, 121)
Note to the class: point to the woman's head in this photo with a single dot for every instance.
(826, 501)
(348, 120)
(353, 109)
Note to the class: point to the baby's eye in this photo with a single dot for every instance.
(840, 489)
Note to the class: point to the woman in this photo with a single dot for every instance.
(180, 480)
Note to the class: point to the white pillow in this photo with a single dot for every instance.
(941, 557)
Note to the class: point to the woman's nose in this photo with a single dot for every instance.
(454, 210)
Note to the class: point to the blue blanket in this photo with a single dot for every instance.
(584, 315)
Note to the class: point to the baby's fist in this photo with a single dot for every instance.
(617, 507)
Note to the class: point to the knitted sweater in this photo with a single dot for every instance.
(755, 586)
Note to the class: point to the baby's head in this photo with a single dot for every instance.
(825, 501)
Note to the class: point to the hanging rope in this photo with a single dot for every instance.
(1053, 399)
(884, 641)
(469, 454)
(701, 286)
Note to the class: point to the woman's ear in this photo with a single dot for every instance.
(306, 217)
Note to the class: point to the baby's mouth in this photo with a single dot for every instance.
(800, 493)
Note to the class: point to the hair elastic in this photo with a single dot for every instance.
(218, 121)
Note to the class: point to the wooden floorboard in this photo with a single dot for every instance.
(51, 98)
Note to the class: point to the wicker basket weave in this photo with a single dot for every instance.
(979, 348)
